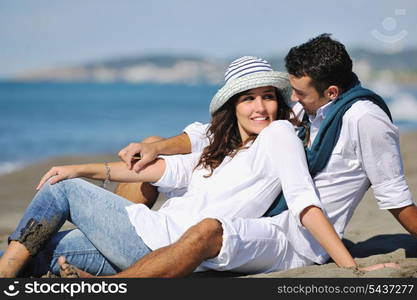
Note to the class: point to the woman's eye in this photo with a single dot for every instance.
(269, 97)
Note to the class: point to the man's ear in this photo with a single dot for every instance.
(333, 92)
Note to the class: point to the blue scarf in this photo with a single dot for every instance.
(319, 153)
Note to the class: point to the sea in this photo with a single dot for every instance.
(43, 120)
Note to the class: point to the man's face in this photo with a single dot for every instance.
(305, 93)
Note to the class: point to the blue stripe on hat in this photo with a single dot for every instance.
(242, 71)
(231, 70)
(250, 72)
(246, 62)
(241, 59)
(239, 67)
(246, 58)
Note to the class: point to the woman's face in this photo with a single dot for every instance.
(255, 110)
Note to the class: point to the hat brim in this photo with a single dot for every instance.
(251, 81)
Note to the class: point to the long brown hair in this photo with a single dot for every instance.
(224, 136)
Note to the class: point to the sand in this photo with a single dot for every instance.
(372, 236)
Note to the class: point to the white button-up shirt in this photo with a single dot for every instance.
(366, 154)
(242, 186)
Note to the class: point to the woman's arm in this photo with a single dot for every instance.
(316, 222)
(299, 191)
(118, 172)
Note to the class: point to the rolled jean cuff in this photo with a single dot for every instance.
(33, 235)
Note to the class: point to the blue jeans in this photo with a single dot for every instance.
(104, 243)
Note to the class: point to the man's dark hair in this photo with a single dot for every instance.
(323, 59)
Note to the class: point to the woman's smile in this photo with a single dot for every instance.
(255, 110)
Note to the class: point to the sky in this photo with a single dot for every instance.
(40, 34)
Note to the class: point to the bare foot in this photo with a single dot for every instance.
(49, 274)
(69, 271)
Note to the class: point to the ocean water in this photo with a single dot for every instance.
(43, 120)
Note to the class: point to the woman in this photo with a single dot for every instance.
(249, 159)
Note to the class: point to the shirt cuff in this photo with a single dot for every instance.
(165, 184)
(301, 202)
(197, 134)
(163, 181)
(393, 193)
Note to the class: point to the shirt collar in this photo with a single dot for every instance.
(321, 112)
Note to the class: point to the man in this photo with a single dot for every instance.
(362, 151)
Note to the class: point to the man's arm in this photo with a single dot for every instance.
(379, 151)
(179, 144)
(407, 216)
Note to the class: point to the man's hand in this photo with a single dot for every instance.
(147, 152)
(151, 147)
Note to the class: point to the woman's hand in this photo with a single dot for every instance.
(380, 266)
(58, 174)
(148, 153)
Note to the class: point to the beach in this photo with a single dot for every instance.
(372, 236)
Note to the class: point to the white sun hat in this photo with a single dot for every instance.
(249, 72)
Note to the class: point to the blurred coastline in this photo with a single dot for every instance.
(41, 120)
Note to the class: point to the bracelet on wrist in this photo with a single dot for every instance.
(106, 180)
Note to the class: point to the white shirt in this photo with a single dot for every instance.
(367, 153)
(244, 186)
